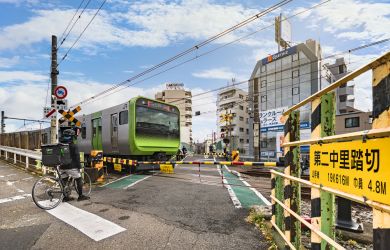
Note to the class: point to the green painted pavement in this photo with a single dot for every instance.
(122, 183)
(244, 194)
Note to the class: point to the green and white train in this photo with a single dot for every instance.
(140, 129)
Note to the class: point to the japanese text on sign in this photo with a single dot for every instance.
(271, 117)
(355, 167)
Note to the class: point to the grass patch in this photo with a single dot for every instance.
(257, 218)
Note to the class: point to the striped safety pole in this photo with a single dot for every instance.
(273, 193)
(286, 182)
(381, 119)
(292, 193)
(315, 193)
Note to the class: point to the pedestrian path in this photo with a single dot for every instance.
(247, 195)
(127, 181)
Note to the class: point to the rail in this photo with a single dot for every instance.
(285, 187)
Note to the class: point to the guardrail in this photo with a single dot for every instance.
(17, 155)
(285, 194)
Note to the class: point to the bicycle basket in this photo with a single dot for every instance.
(56, 154)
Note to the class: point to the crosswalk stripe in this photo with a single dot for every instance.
(95, 227)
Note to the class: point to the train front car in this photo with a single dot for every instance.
(154, 129)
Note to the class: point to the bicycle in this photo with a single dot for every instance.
(49, 191)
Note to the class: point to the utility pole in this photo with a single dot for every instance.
(2, 123)
(53, 74)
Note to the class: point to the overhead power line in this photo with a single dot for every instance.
(63, 37)
(192, 49)
(108, 91)
(80, 35)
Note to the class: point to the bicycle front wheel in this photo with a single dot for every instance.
(87, 184)
(47, 192)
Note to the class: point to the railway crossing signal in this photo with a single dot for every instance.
(69, 115)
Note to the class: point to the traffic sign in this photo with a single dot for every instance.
(48, 111)
(69, 115)
(62, 104)
(355, 167)
(60, 92)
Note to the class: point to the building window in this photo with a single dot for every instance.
(247, 131)
(341, 69)
(241, 96)
(263, 144)
(241, 118)
(263, 68)
(247, 120)
(295, 73)
(247, 140)
(83, 132)
(123, 117)
(241, 107)
(295, 57)
(343, 98)
(263, 84)
(242, 140)
(295, 91)
(263, 98)
(343, 85)
(352, 122)
(241, 129)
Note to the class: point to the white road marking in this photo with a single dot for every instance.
(132, 184)
(14, 198)
(10, 175)
(267, 202)
(236, 202)
(116, 180)
(28, 178)
(89, 224)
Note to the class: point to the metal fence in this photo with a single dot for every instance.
(286, 187)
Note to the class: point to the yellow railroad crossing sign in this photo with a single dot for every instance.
(355, 167)
(69, 115)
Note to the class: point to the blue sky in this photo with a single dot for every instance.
(127, 37)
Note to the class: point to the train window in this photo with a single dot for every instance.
(123, 117)
(83, 132)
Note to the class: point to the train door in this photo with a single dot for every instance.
(114, 132)
(97, 134)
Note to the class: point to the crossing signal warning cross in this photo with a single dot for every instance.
(69, 115)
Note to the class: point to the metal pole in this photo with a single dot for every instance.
(2, 122)
(53, 74)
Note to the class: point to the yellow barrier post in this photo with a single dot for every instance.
(381, 119)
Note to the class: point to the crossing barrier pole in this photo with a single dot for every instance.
(273, 193)
(292, 194)
(381, 119)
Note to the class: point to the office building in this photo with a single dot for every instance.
(345, 99)
(232, 100)
(177, 95)
(278, 82)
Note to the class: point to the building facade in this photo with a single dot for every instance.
(345, 99)
(233, 100)
(353, 121)
(278, 82)
(177, 95)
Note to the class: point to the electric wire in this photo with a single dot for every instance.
(80, 35)
(194, 48)
(63, 38)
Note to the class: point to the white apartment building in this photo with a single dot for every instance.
(233, 100)
(177, 95)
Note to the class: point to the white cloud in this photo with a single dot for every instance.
(22, 77)
(353, 19)
(151, 24)
(218, 73)
(8, 62)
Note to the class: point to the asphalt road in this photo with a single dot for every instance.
(184, 210)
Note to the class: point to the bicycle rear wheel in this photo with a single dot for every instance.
(47, 192)
(87, 184)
